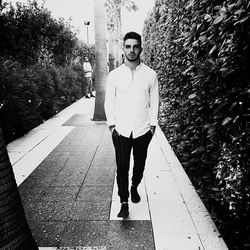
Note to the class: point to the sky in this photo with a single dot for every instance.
(83, 10)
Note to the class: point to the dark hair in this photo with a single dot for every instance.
(132, 35)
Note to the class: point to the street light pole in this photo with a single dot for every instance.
(87, 23)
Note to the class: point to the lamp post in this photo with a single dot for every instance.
(87, 23)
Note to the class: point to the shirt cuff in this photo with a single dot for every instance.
(153, 123)
(111, 122)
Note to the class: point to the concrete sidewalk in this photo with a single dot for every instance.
(65, 169)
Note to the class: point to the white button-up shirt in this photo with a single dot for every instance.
(87, 69)
(131, 102)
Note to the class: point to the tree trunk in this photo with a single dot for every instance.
(111, 49)
(114, 23)
(14, 230)
(101, 60)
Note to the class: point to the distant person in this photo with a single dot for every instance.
(88, 71)
(131, 106)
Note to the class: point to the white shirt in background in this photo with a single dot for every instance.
(87, 69)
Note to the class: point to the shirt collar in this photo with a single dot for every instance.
(137, 67)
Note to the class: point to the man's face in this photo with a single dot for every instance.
(132, 49)
(86, 59)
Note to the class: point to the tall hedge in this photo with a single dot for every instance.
(31, 95)
(200, 50)
(40, 67)
(29, 31)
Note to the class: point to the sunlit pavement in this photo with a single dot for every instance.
(65, 170)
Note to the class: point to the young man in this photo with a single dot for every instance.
(131, 106)
(87, 69)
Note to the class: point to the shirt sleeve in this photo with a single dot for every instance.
(154, 101)
(90, 68)
(109, 104)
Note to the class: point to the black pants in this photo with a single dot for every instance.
(123, 147)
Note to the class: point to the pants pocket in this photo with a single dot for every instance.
(115, 133)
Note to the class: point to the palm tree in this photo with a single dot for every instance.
(111, 49)
(101, 59)
(114, 30)
(114, 23)
(14, 229)
(101, 50)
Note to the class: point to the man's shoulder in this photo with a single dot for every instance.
(116, 71)
(148, 69)
(119, 68)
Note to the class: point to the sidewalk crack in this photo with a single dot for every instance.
(86, 174)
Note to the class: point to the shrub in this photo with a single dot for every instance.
(30, 95)
(39, 72)
(29, 33)
(200, 50)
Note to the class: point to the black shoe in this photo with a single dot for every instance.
(135, 197)
(86, 96)
(124, 211)
(92, 96)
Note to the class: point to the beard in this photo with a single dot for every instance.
(133, 59)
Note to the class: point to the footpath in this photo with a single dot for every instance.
(65, 171)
